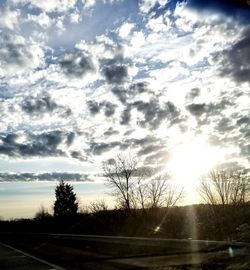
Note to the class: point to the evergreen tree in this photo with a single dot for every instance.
(65, 204)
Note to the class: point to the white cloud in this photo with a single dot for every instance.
(9, 18)
(125, 29)
(42, 19)
(146, 5)
(160, 24)
(88, 3)
(18, 55)
(48, 6)
(75, 17)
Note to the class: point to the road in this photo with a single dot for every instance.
(14, 259)
(74, 251)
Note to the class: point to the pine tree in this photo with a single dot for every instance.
(65, 204)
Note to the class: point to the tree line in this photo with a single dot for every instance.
(148, 204)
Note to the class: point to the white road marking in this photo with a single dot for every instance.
(53, 266)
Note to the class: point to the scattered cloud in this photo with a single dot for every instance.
(76, 64)
(86, 79)
(54, 176)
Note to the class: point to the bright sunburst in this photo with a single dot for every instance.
(189, 161)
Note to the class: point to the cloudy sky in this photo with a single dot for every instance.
(84, 80)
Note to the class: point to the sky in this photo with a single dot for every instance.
(84, 80)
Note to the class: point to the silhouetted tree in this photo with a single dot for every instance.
(65, 204)
(227, 193)
(42, 213)
(225, 188)
(119, 175)
(98, 206)
(162, 193)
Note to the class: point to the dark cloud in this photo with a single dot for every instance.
(195, 92)
(127, 95)
(76, 64)
(102, 147)
(149, 149)
(126, 116)
(78, 155)
(243, 120)
(120, 93)
(196, 109)
(14, 52)
(144, 146)
(37, 106)
(53, 176)
(70, 138)
(109, 108)
(158, 157)
(138, 88)
(95, 107)
(43, 144)
(110, 132)
(143, 141)
(209, 109)
(245, 150)
(115, 74)
(240, 9)
(225, 125)
(115, 70)
(155, 114)
(235, 62)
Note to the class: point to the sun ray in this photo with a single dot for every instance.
(190, 160)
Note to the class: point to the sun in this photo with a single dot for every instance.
(189, 160)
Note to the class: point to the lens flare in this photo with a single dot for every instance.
(189, 160)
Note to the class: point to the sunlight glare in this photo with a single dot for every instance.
(190, 160)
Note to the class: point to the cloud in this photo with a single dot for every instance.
(37, 106)
(98, 148)
(227, 7)
(76, 64)
(113, 69)
(115, 74)
(243, 120)
(157, 158)
(110, 132)
(45, 144)
(126, 116)
(95, 107)
(42, 19)
(209, 109)
(235, 62)
(88, 3)
(54, 176)
(197, 109)
(225, 125)
(195, 92)
(127, 94)
(125, 29)
(18, 55)
(154, 113)
(9, 18)
(146, 6)
(47, 6)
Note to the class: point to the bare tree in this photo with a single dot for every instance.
(119, 175)
(225, 188)
(139, 193)
(162, 193)
(226, 192)
(97, 206)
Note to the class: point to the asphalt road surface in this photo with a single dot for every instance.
(71, 251)
(14, 259)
